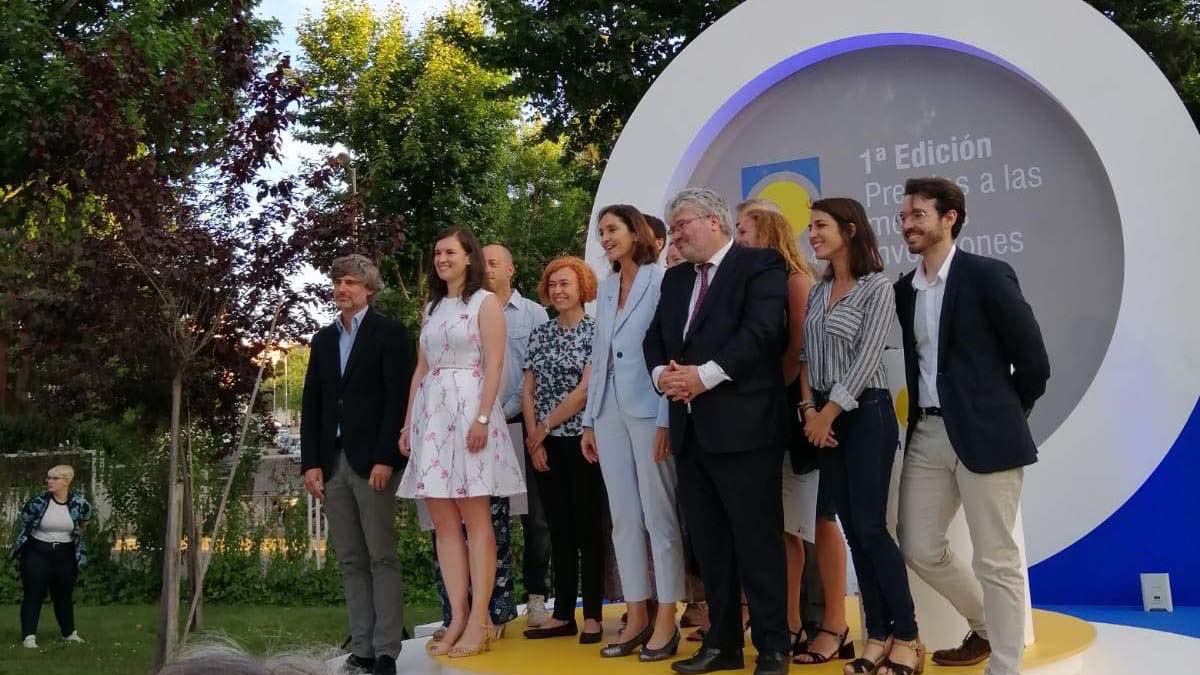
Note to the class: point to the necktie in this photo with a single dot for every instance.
(703, 291)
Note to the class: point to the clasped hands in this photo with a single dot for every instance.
(681, 383)
(818, 427)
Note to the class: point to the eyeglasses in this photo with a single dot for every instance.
(678, 225)
(916, 214)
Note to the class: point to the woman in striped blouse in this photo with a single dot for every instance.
(850, 415)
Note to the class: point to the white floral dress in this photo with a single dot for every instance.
(445, 407)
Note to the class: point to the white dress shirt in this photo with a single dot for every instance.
(927, 317)
(710, 373)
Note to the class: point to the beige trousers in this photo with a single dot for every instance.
(990, 593)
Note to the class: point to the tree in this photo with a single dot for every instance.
(437, 141)
(148, 155)
(585, 65)
(421, 119)
(542, 212)
(1169, 31)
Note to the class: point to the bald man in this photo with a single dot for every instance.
(521, 316)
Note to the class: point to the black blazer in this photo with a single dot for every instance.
(369, 400)
(992, 364)
(742, 326)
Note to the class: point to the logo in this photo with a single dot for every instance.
(793, 185)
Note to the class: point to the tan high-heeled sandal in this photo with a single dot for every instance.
(865, 666)
(485, 644)
(893, 668)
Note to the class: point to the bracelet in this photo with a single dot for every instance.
(805, 406)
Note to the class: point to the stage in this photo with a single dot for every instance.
(1065, 645)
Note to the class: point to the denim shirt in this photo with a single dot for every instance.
(31, 518)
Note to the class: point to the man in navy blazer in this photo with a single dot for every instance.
(975, 364)
(713, 347)
(355, 396)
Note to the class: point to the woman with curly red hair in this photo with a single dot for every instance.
(572, 489)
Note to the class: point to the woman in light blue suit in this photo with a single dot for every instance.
(625, 429)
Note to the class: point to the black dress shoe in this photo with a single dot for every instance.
(565, 630)
(384, 665)
(626, 648)
(358, 665)
(662, 653)
(586, 638)
(709, 659)
(772, 663)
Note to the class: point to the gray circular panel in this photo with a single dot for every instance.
(1038, 196)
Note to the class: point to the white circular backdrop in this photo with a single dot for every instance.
(1146, 385)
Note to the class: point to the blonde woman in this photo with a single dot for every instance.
(761, 223)
(50, 546)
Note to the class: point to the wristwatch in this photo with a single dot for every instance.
(482, 419)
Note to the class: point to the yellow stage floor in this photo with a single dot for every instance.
(1058, 637)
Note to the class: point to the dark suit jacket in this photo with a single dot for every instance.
(369, 400)
(992, 364)
(742, 326)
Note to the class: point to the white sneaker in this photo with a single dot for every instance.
(30, 642)
(74, 637)
(535, 611)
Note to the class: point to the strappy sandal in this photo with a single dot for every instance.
(894, 668)
(844, 650)
(485, 644)
(799, 645)
(697, 635)
(864, 666)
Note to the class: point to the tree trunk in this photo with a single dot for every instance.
(3, 373)
(235, 462)
(25, 356)
(168, 615)
(192, 527)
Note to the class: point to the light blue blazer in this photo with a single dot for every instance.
(622, 332)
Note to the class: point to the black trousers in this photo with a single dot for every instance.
(858, 472)
(573, 493)
(47, 569)
(535, 560)
(732, 504)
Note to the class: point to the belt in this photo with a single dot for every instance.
(931, 410)
(50, 545)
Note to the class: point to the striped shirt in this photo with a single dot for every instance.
(844, 344)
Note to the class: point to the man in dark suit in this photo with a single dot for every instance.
(714, 348)
(355, 395)
(975, 364)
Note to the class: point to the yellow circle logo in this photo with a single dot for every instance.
(793, 200)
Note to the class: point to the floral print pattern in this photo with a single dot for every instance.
(446, 405)
(557, 357)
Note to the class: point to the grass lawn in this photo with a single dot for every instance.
(121, 639)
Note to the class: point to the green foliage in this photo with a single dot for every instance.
(585, 65)
(437, 141)
(1169, 31)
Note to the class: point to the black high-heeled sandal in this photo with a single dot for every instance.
(799, 642)
(843, 651)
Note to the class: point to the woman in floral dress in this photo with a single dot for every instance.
(460, 453)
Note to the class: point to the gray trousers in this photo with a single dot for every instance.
(641, 498)
(362, 529)
(990, 593)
